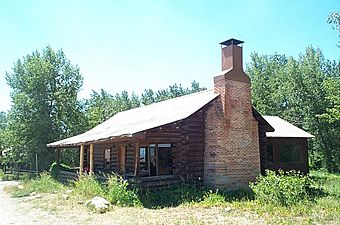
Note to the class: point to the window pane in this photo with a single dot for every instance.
(143, 159)
(107, 155)
(290, 153)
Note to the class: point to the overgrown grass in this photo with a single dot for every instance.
(115, 190)
(42, 184)
(284, 188)
(118, 193)
(319, 203)
(302, 201)
(171, 196)
(88, 187)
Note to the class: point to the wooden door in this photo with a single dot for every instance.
(164, 155)
(121, 159)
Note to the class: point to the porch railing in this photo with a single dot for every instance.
(153, 182)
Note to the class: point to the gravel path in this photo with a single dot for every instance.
(19, 211)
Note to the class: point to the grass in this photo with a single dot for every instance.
(195, 200)
(43, 184)
(14, 176)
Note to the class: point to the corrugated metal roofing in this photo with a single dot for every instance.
(143, 118)
(284, 128)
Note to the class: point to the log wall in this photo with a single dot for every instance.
(186, 138)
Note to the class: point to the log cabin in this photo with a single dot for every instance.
(213, 137)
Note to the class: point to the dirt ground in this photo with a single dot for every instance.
(54, 209)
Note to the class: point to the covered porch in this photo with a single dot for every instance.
(147, 163)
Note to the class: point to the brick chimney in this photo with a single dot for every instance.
(232, 155)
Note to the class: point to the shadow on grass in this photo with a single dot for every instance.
(189, 194)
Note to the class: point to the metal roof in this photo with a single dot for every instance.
(132, 121)
(284, 128)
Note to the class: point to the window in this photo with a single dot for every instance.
(290, 153)
(164, 155)
(107, 155)
(164, 159)
(270, 153)
(143, 159)
(155, 159)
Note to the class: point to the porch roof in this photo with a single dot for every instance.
(284, 128)
(127, 123)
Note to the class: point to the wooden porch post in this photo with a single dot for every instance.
(81, 161)
(91, 158)
(137, 160)
(58, 156)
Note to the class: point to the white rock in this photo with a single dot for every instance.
(66, 197)
(228, 209)
(33, 193)
(100, 204)
(68, 191)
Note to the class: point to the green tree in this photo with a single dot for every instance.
(304, 91)
(334, 19)
(101, 106)
(3, 132)
(44, 89)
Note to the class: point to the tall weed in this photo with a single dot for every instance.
(118, 193)
(212, 198)
(88, 187)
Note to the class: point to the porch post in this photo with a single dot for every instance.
(81, 161)
(137, 159)
(91, 158)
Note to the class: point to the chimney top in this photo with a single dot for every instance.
(231, 41)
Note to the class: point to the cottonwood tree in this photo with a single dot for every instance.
(334, 19)
(304, 91)
(44, 88)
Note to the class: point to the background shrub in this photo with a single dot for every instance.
(283, 188)
(55, 168)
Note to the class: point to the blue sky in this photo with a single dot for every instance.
(133, 45)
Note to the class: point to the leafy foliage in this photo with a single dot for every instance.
(285, 189)
(42, 184)
(101, 106)
(88, 187)
(304, 91)
(334, 19)
(44, 89)
(55, 168)
(119, 194)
